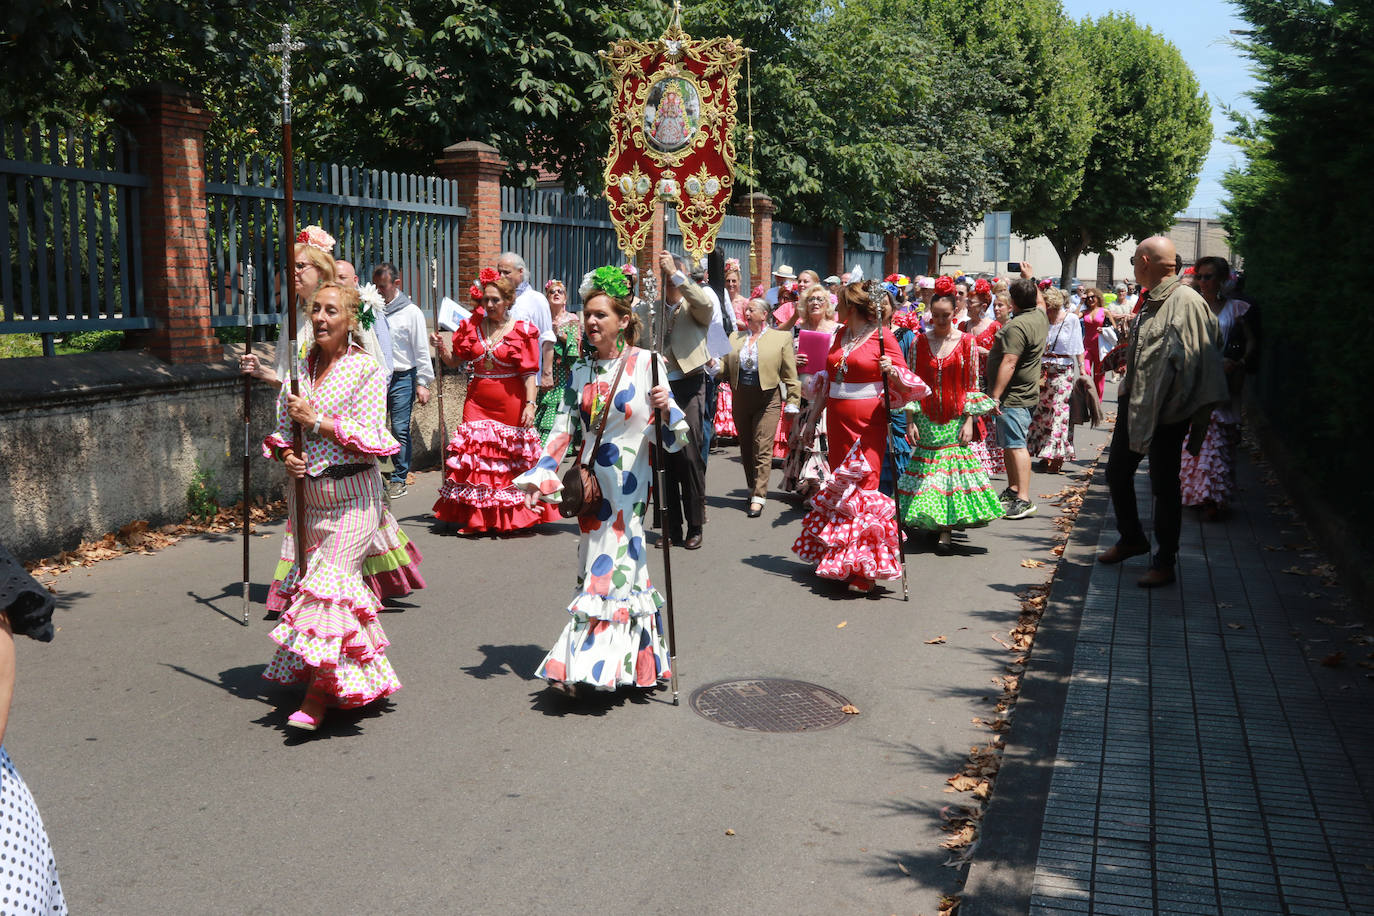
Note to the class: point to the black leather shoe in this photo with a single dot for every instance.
(755, 510)
(693, 542)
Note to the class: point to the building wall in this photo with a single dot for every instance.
(91, 442)
(1194, 238)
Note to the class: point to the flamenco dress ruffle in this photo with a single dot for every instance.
(1211, 476)
(725, 412)
(945, 485)
(851, 531)
(484, 456)
(611, 642)
(391, 568)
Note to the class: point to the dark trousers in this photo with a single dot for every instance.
(757, 413)
(708, 418)
(1166, 457)
(684, 478)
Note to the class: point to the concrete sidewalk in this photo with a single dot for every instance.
(1202, 748)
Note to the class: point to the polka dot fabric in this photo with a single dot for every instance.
(615, 635)
(28, 870)
(353, 395)
(851, 530)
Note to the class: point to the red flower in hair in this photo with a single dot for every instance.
(982, 287)
(488, 275)
(944, 286)
(890, 278)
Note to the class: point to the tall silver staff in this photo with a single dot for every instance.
(438, 363)
(250, 292)
(288, 241)
(659, 332)
(877, 295)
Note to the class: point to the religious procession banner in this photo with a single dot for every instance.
(671, 124)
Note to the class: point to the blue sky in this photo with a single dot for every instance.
(1201, 31)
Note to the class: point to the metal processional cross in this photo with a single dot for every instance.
(288, 219)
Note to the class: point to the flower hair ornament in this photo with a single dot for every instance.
(982, 287)
(630, 270)
(488, 275)
(548, 287)
(370, 305)
(756, 292)
(732, 264)
(1045, 284)
(944, 286)
(316, 237)
(609, 280)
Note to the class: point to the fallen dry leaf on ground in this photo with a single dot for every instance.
(937, 641)
(1236, 626)
(1032, 564)
(1334, 660)
(849, 709)
(729, 832)
(842, 624)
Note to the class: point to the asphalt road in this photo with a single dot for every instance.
(168, 784)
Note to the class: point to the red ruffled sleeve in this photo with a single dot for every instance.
(467, 340)
(907, 386)
(521, 347)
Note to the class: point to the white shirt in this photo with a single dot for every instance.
(530, 305)
(410, 344)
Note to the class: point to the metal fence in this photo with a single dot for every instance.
(410, 221)
(868, 254)
(562, 235)
(800, 248)
(70, 234)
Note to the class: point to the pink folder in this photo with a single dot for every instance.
(816, 346)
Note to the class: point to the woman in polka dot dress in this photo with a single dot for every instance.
(329, 637)
(614, 636)
(31, 884)
(945, 487)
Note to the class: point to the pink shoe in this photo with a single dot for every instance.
(304, 721)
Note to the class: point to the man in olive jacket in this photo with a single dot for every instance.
(1173, 381)
(687, 313)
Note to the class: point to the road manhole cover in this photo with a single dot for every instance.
(770, 704)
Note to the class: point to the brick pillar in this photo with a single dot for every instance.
(478, 168)
(836, 252)
(169, 133)
(890, 254)
(761, 263)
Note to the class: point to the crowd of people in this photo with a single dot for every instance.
(890, 405)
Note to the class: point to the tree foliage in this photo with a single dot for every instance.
(1150, 131)
(1299, 207)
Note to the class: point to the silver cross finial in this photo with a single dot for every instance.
(286, 46)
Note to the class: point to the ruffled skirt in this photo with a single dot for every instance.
(1051, 433)
(725, 413)
(484, 456)
(329, 632)
(944, 485)
(611, 642)
(851, 532)
(391, 566)
(1211, 476)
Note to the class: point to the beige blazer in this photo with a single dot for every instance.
(685, 348)
(777, 362)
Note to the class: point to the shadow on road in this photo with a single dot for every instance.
(233, 592)
(521, 661)
(590, 702)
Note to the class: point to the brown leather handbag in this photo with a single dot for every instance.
(581, 489)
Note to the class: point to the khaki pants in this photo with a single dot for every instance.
(757, 413)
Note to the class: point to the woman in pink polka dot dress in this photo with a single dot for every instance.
(329, 637)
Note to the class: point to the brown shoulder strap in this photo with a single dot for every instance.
(606, 411)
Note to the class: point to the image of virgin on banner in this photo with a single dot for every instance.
(672, 114)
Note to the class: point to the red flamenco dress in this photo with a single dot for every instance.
(850, 534)
(490, 448)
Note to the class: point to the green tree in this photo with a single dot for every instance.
(1300, 207)
(1037, 100)
(1151, 130)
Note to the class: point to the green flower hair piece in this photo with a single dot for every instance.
(610, 280)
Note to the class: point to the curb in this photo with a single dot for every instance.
(1002, 873)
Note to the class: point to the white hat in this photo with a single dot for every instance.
(784, 271)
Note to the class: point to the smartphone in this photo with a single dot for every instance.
(1013, 267)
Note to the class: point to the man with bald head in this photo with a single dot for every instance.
(348, 276)
(1173, 380)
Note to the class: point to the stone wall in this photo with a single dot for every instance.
(91, 442)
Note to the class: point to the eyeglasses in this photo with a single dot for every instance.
(1091, 299)
(304, 265)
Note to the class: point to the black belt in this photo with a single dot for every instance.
(340, 471)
